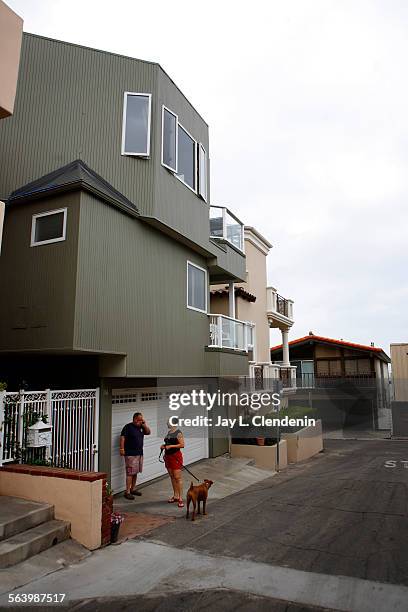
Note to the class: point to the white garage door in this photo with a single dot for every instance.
(154, 406)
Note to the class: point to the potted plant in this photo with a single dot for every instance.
(109, 496)
(116, 520)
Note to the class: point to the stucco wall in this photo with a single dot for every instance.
(256, 311)
(76, 501)
(219, 304)
(250, 311)
(264, 456)
(399, 361)
(11, 31)
(304, 443)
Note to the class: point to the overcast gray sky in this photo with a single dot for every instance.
(307, 102)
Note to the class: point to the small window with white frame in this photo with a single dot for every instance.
(136, 124)
(48, 227)
(202, 172)
(186, 153)
(196, 287)
(169, 139)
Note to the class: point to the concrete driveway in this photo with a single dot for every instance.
(229, 476)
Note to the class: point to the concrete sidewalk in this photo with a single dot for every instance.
(139, 568)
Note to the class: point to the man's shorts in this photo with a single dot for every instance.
(134, 464)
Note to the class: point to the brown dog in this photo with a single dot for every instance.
(196, 495)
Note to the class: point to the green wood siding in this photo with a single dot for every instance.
(225, 363)
(131, 294)
(38, 297)
(69, 106)
(117, 285)
(174, 203)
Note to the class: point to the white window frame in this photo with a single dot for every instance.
(165, 108)
(201, 150)
(194, 159)
(190, 263)
(149, 120)
(46, 214)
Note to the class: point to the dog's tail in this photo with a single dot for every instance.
(191, 485)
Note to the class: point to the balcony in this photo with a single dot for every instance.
(228, 333)
(279, 309)
(226, 226)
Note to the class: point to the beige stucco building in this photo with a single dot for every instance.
(261, 305)
(11, 32)
(399, 365)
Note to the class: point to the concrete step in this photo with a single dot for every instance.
(23, 545)
(17, 515)
(47, 562)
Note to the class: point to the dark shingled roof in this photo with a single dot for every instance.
(73, 176)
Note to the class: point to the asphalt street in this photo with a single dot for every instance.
(329, 533)
(343, 512)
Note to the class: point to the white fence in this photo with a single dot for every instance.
(74, 416)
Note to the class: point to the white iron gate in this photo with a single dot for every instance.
(74, 416)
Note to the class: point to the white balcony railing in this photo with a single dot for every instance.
(226, 332)
(278, 305)
(225, 225)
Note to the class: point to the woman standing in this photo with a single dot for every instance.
(173, 460)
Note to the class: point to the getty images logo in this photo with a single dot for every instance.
(393, 463)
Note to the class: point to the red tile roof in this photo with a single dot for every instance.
(239, 292)
(361, 347)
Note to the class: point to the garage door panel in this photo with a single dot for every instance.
(155, 413)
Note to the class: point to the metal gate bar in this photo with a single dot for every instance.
(74, 416)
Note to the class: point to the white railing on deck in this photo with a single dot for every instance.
(224, 224)
(226, 332)
(277, 304)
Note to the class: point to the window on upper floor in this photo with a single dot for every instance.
(202, 172)
(196, 287)
(169, 139)
(183, 155)
(48, 227)
(186, 170)
(136, 124)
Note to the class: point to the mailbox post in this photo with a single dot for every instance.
(40, 435)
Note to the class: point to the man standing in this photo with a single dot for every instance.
(131, 447)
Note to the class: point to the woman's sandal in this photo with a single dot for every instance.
(180, 503)
(172, 500)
